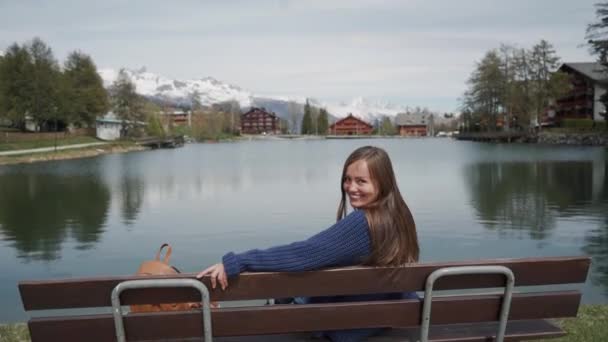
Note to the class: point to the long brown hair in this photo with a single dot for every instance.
(392, 227)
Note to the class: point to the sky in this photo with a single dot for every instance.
(406, 52)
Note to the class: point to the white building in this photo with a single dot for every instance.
(108, 127)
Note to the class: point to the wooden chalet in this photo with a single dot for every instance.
(588, 82)
(176, 117)
(413, 124)
(259, 121)
(350, 125)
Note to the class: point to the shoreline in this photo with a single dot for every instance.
(79, 153)
(585, 139)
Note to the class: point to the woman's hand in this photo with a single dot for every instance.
(216, 273)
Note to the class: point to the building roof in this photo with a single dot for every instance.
(412, 119)
(109, 117)
(594, 71)
(350, 115)
(257, 109)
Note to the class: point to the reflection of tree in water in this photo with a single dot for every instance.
(596, 245)
(596, 241)
(132, 191)
(526, 195)
(38, 211)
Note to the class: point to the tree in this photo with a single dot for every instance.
(323, 121)
(548, 84)
(15, 84)
(126, 104)
(86, 96)
(386, 126)
(485, 89)
(44, 101)
(231, 112)
(517, 84)
(597, 38)
(292, 109)
(307, 119)
(195, 101)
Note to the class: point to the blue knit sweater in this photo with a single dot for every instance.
(346, 243)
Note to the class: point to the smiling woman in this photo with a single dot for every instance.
(380, 231)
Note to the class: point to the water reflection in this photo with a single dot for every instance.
(39, 211)
(132, 197)
(596, 241)
(530, 197)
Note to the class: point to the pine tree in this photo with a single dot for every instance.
(548, 84)
(597, 35)
(307, 119)
(386, 126)
(323, 121)
(87, 98)
(126, 104)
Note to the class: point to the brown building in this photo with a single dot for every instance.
(414, 124)
(259, 121)
(350, 125)
(587, 84)
(176, 117)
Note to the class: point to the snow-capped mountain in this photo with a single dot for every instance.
(365, 109)
(213, 91)
(152, 85)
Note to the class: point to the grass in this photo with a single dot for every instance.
(84, 152)
(61, 141)
(14, 333)
(573, 130)
(591, 325)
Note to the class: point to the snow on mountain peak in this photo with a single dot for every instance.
(365, 109)
(212, 91)
(209, 89)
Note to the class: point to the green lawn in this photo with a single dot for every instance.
(46, 143)
(591, 325)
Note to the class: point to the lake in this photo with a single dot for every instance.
(104, 215)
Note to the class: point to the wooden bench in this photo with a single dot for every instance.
(457, 316)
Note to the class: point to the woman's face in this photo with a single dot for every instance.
(358, 185)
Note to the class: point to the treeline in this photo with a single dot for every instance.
(315, 120)
(512, 87)
(34, 86)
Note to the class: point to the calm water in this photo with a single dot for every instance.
(105, 215)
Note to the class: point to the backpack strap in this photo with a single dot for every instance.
(167, 253)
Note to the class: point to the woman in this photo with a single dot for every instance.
(380, 231)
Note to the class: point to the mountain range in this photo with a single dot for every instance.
(210, 91)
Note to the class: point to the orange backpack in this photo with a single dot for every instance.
(158, 267)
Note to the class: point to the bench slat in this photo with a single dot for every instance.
(279, 319)
(95, 292)
(471, 332)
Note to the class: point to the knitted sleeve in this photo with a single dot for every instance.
(345, 243)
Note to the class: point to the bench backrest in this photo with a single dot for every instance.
(257, 320)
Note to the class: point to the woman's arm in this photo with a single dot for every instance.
(345, 243)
